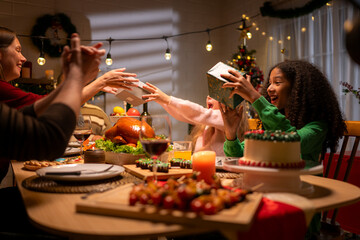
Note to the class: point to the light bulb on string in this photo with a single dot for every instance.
(109, 60)
(249, 35)
(209, 47)
(167, 52)
(41, 59)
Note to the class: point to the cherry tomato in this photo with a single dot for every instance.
(196, 205)
(133, 199)
(168, 202)
(209, 208)
(144, 198)
(156, 198)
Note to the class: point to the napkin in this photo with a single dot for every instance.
(281, 216)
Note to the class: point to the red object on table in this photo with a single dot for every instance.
(347, 216)
(278, 221)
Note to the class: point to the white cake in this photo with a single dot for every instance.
(273, 149)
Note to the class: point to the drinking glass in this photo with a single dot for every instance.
(156, 138)
(82, 130)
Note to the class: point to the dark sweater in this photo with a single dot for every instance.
(25, 137)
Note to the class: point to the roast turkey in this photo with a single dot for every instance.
(126, 130)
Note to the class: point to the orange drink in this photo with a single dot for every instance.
(182, 154)
(204, 163)
(182, 149)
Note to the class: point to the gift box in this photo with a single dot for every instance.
(133, 96)
(215, 82)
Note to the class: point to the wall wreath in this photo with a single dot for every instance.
(55, 31)
(268, 9)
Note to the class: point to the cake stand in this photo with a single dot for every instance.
(273, 179)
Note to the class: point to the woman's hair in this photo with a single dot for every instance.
(7, 36)
(311, 99)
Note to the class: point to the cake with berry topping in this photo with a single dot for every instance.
(273, 149)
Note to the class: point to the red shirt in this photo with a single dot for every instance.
(15, 97)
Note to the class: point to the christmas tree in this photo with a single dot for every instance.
(244, 61)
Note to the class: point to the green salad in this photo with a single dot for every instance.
(109, 146)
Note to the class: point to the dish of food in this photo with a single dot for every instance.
(34, 165)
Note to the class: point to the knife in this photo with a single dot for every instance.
(78, 173)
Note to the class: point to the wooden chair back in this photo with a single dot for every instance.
(353, 131)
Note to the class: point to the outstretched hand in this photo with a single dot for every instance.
(117, 78)
(156, 94)
(242, 86)
(232, 119)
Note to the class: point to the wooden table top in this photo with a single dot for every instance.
(56, 212)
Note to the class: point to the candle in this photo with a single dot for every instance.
(204, 163)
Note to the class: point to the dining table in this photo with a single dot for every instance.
(56, 212)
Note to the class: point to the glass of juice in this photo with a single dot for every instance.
(182, 149)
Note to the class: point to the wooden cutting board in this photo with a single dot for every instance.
(116, 203)
(146, 173)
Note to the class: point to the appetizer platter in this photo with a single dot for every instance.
(184, 201)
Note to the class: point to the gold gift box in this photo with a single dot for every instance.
(215, 82)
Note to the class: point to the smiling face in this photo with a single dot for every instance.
(279, 89)
(11, 60)
(212, 103)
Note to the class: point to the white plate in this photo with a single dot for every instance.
(219, 161)
(84, 168)
(71, 151)
(233, 166)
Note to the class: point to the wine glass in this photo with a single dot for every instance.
(82, 130)
(155, 136)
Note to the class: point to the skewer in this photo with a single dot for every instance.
(256, 187)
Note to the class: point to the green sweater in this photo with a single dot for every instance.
(312, 135)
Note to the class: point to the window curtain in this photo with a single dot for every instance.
(319, 37)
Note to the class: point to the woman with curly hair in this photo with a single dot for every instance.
(296, 97)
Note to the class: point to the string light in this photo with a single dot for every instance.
(41, 59)
(249, 35)
(288, 37)
(209, 47)
(303, 29)
(279, 42)
(167, 52)
(263, 33)
(109, 60)
(270, 38)
(245, 30)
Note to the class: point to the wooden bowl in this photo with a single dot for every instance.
(122, 158)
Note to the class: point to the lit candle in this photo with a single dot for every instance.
(204, 163)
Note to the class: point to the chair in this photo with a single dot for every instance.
(330, 226)
(99, 119)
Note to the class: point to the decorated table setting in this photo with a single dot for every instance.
(131, 195)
